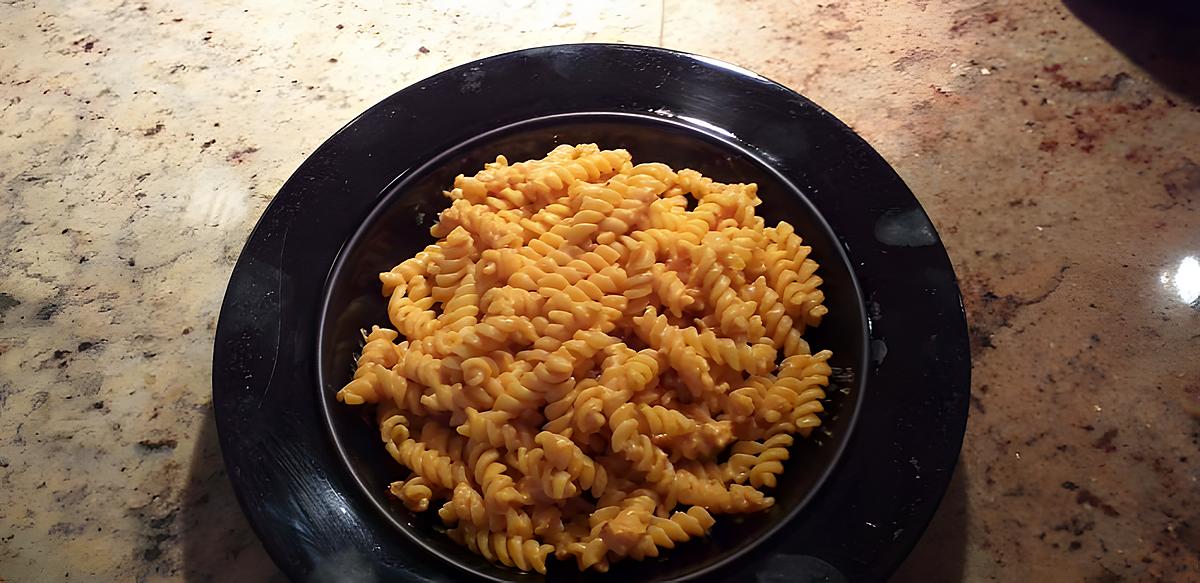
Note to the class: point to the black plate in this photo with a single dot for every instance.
(305, 284)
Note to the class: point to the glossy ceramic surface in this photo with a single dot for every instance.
(312, 511)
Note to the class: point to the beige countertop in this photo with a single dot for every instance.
(140, 140)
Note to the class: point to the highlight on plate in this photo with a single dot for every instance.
(583, 367)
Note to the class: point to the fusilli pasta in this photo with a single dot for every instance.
(582, 367)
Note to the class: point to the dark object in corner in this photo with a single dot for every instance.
(1159, 37)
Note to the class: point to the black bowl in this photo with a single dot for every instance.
(399, 227)
(310, 475)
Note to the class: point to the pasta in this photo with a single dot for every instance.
(581, 367)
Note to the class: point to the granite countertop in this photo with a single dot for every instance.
(1054, 146)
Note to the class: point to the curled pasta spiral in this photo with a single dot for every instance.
(587, 366)
(434, 467)
(415, 493)
(681, 527)
(514, 551)
(759, 462)
(565, 455)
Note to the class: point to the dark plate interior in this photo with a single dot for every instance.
(398, 227)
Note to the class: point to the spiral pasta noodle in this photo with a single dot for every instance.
(582, 368)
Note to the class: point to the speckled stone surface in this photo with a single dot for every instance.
(140, 140)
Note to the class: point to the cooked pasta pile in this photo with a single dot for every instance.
(588, 368)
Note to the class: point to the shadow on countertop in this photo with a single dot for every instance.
(218, 544)
(1159, 36)
(941, 552)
